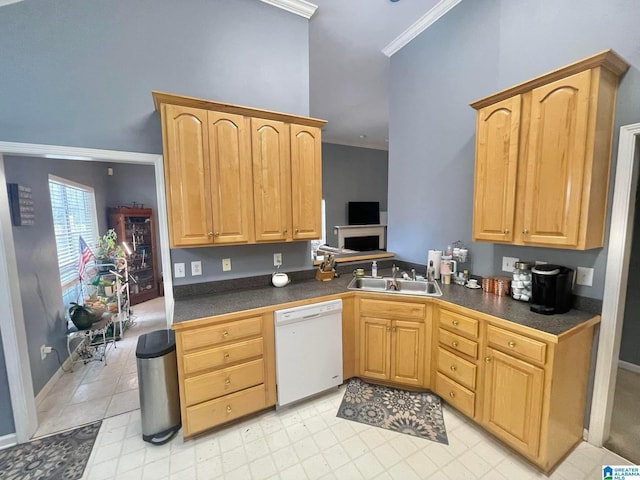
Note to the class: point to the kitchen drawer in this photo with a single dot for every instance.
(458, 343)
(456, 395)
(222, 382)
(221, 356)
(458, 323)
(392, 309)
(224, 409)
(511, 343)
(456, 368)
(222, 333)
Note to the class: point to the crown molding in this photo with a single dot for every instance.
(424, 22)
(299, 7)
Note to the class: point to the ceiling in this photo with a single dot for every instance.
(349, 73)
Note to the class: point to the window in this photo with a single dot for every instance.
(74, 214)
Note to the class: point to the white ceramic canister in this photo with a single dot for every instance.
(435, 256)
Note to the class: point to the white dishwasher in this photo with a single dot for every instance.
(308, 350)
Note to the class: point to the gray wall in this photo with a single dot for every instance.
(81, 73)
(475, 50)
(6, 412)
(351, 174)
(629, 351)
(37, 259)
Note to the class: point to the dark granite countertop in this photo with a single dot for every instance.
(206, 305)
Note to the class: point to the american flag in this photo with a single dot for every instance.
(85, 256)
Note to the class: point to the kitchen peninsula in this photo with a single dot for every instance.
(520, 375)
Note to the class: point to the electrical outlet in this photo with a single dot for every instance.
(196, 268)
(277, 259)
(178, 270)
(226, 264)
(44, 351)
(584, 276)
(509, 264)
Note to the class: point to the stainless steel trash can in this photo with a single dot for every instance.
(158, 386)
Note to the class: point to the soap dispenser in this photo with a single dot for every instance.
(374, 269)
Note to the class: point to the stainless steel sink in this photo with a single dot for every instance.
(388, 285)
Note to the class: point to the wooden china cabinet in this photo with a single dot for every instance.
(135, 227)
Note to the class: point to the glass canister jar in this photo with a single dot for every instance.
(521, 283)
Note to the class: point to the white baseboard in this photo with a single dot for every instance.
(629, 366)
(66, 365)
(7, 441)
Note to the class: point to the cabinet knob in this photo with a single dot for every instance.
(393, 329)
(210, 234)
(217, 234)
(225, 334)
(226, 356)
(487, 359)
(506, 231)
(452, 394)
(453, 368)
(228, 408)
(285, 230)
(525, 231)
(227, 381)
(388, 329)
(454, 344)
(455, 323)
(511, 344)
(297, 230)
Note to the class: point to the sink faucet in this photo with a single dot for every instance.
(413, 274)
(393, 284)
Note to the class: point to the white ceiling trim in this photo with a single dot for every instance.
(299, 7)
(8, 2)
(424, 22)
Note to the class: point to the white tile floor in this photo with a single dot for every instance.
(308, 441)
(95, 391)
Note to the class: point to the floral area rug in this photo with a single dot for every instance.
(62, 456)
(414, 413)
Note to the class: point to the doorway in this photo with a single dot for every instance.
(11, 314)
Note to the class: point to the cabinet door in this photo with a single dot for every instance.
(555, 161)
(231, 192)
(513, 401)
(407, 360)
(187, 176)
(497, 133)
(306, 182)
(271, 180)
(375, 348)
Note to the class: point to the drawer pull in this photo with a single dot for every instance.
(511, 344)
(455, 323)
(284, 231)
(454, 344)
(525, 231)
(297, 230)
(225, 334)
(217, 234)
(227, 381)
(228, 408)
(226, 356)
(487, 359)
(453, 368)
(452, 394)
(506, 231)
(210, 234)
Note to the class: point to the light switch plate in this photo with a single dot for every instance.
(196, 268)
(277, 259)
(178, 270)
(509, 264)
(584, 276)
(226, 264)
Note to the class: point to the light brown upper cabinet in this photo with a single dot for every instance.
(543, 152)
(239, 175)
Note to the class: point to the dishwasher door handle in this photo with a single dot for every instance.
(296, 319)
(309, 317)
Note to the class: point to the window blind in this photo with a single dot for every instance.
(74, 215)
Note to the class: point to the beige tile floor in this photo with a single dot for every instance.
(308, 441)
(95, 391)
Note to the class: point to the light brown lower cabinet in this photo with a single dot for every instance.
(526, 387)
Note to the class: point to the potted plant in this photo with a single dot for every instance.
(108, 249)
(82, 316)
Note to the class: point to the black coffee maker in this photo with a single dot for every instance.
(551, 289)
